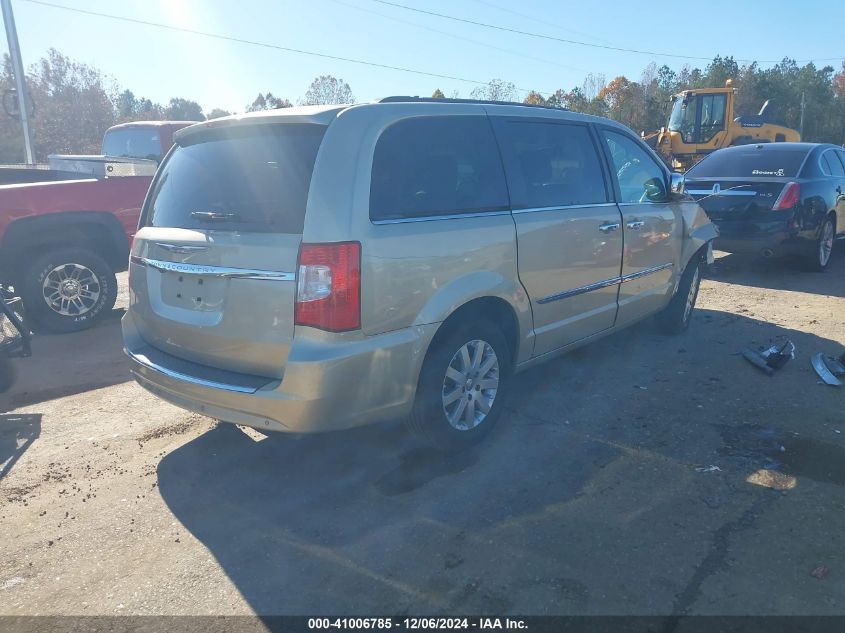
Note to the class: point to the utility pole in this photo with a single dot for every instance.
(20, 78)
(801, 126)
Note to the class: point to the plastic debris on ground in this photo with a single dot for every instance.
(772, 358)
(708, 469)
(829, 368)
(820, 572)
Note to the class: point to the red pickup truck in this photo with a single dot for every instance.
(65, 235)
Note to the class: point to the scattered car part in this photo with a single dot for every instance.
(708, 469)
(820, 572)
(14, 336)
(828, 368)
(772, 358)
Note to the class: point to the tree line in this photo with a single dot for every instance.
(643, 105)
(72, 104)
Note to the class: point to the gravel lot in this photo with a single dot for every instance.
(587, 500)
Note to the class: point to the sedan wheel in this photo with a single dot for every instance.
(826, 244)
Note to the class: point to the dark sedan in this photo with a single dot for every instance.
(774, 199)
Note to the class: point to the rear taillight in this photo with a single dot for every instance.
(328, 289)
(789, 197)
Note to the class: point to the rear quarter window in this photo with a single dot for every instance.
(248, 179)
(435, 166)
(752, 162)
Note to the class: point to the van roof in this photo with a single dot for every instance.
(325, 114)
(319, 114)
(132, 124)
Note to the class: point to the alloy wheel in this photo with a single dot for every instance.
(470, 385)
(826, 243)
(693, 290)
(71, 289)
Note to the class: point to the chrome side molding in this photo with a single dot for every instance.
(213, 271)
(613, 281)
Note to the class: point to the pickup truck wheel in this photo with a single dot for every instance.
(462, 386)
(68, 290)
(675, 318)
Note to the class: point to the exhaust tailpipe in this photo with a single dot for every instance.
(767, 253)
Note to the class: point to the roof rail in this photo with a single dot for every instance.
(407, 99)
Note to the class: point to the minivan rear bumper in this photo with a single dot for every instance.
(330, 382)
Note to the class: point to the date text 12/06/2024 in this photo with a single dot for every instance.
(412, 624)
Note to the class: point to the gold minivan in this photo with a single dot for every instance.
(317, 268)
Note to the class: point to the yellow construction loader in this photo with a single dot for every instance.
(702, 121)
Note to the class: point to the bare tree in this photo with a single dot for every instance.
(496, 90)
(268, 102)
(326, 89)
(594, 83)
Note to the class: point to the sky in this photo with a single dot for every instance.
(159, 63)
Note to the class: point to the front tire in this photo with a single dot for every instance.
(675, 318)
(68, 290)
(462, 385)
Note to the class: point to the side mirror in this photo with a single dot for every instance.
(676, 183)
(655, 190)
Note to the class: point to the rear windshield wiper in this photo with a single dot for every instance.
(214, 216)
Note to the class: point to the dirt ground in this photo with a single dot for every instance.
(588, 499)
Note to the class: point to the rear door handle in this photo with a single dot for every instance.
(607, 227)
(635, 225)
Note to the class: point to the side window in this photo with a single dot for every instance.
(832, 166)
(712, 116)
(640, 178)
(551, 164)
(431, 166)
(841, 154)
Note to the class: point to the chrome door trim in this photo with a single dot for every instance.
(431, 218)
(177, 375)
(644, 272)
(564, 207)
(613, 281)
(604, 283)
(214, 271)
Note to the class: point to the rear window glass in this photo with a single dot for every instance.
(437, 166)
(249, 179)
(751, 162)
(137, 142)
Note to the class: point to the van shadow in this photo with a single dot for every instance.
(782, 273)
(17, 433)
(67, 364)
(368, 521)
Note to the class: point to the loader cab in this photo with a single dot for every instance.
(698, 116)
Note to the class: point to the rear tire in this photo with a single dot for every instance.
(458, 403)
(819, 260)
(675, 318)
(68, 290)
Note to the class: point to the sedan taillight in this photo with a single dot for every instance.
(789, 197)
(328, 291)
